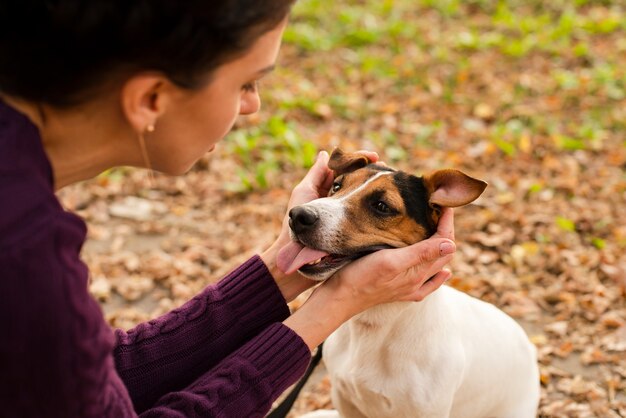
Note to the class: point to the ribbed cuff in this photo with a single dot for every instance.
(252, 293)
(279, 354)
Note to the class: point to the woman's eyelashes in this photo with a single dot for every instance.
(250, 87)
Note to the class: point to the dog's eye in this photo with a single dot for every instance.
(382, 207)
(335, 188)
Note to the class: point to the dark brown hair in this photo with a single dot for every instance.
(60, 51)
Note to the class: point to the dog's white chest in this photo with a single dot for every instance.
(381, 377)
(365, 390)
(371, 394)
(455, 357)
(385, 391)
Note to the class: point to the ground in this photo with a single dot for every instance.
(527, 96)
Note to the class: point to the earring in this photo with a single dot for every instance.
(144, 153)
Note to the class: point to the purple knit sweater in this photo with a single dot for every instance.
(225, 353)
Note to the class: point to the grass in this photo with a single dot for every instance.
(367, 62)
(261, 148)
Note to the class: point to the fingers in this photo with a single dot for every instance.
(370, 155)
(425, 274)
(424, 252)
(445, 227)
(431, 285)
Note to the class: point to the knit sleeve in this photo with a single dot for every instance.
(56, 357)
(55, 350)
(172, 351)
(245, 383)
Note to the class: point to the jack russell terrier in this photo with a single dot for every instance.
(450, 355)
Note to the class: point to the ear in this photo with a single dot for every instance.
(341, 162)
(452, 188)
(144, 97)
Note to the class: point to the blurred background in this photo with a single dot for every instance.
(528, 95)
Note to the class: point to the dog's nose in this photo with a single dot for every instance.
(302, 219)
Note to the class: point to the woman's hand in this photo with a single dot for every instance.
(405, 274)
(314, 185)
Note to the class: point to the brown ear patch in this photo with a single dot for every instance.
(342, 162)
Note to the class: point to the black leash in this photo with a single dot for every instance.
(285, 406)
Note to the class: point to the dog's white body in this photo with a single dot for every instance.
(450, 355)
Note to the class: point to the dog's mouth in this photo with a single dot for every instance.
(326, 263)
(318, 264)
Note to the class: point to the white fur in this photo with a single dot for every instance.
(365, 184)
(450, 355)
(332, 212)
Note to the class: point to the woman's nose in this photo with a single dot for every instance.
(250, 103)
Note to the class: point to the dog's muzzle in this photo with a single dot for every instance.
(314, 251)
(302, 219)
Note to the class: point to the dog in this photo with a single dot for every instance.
(450, 355)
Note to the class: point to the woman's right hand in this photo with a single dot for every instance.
(405, 274)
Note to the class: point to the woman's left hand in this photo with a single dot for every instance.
(313, 186)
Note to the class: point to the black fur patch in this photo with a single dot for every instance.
(415, 198)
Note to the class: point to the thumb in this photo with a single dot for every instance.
(317, 174)
(316, 182)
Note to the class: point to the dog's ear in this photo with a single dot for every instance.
(344, 162)
(452, 188)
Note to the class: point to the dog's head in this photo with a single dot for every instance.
(369, 207)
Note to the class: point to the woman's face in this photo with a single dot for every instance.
(196, 120)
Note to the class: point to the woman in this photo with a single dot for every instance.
(89, 85)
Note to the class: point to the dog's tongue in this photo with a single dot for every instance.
(294, 255)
